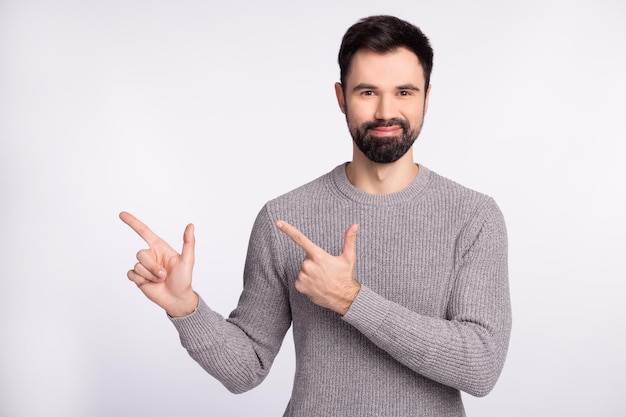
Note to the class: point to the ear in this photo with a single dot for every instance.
(426, 98)
(341, 100)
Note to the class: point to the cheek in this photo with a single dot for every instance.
(415, 116)
(357, 114)
(352, 124)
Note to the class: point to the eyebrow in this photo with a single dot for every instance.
(408, 87)
(364, 86)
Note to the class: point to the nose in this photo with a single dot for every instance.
(385, 109)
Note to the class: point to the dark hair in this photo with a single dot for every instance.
(384, 34)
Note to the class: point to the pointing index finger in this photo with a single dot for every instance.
(298, 237)
(137, 225)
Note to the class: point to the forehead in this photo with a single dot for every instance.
(398, 67)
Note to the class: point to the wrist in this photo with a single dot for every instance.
(184, 307)
(350, 296)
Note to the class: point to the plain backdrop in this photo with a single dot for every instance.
(201, 111)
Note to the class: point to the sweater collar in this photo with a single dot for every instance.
(414, 190)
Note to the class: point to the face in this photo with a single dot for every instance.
(384, 102)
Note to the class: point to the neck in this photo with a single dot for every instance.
(375, 178)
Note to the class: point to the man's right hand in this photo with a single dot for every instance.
(162, 274)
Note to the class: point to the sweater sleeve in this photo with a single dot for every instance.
(466, 350)
(240, 350)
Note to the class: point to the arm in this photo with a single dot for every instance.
(237, 351)
(466, 350)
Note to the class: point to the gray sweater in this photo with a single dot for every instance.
(433, 315)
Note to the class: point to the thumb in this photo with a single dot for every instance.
(189, 244)
(349, 242)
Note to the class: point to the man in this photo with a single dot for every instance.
(415, 306)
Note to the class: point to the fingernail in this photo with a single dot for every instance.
(161, 274)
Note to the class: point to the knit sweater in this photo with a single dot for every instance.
(432, 317)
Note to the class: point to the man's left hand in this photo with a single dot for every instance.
(327, 280)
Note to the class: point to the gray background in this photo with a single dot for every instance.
(200, 111)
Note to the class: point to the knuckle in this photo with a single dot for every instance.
(307, 266)
(133, 277)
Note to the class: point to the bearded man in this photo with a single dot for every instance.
(393, 277)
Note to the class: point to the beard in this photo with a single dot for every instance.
(384, 150)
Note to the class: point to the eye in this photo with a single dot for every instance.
(405, 93)
(367, 93)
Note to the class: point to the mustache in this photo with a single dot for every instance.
(373, 124)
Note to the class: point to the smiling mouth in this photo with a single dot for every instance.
(387, 131)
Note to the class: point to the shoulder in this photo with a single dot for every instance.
(450, 188)
(473, 212)
(293, 206)
(453, 191)
(306, 194)
(453, 197)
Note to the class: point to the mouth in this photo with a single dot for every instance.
(386, 131)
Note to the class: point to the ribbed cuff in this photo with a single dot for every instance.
(199, 327)
(367, 312)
